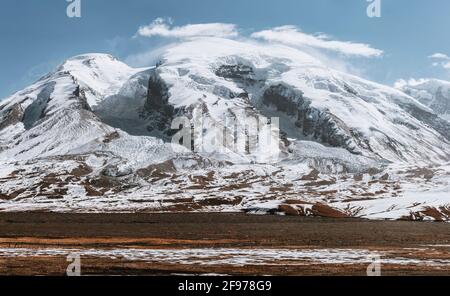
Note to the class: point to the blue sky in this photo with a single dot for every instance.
(37, 35)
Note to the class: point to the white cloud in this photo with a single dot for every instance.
(164, 28)
(401, 83)
(290, 35)
(330, 52)
(147, 58)
(443, 60)
(439, 56)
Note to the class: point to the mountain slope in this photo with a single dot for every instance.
(433, 93)
(54, 116)
(314, 102)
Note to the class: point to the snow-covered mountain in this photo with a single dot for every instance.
(54, 116)
(433, 93)
(94, 136)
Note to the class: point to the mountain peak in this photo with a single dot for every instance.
(89, 60)
(433, 93)
(93, 55)
(100, 75)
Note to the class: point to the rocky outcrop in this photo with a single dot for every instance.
(157, 109)
(432, 93)
(441, 103)
(318, 125)
(434, 121)
(11, 116)
(36, 110)
(158, 95)
(80, 94)
(238, 73)
(285, 99)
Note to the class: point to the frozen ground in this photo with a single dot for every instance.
(192, 184)
(234, 257)
(219, 243)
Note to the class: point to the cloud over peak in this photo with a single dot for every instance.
(439, 56)
(291, 35)
(441, 60)
(288, 35)
(164, 28)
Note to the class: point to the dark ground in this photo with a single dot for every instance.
(44, 230)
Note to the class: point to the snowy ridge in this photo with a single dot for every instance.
(55, 116)
(433, 93)
(99, 75)
(370, 118)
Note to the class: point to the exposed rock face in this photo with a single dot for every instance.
(315, 124)
(441, 104)
(434, 121)
(11, 116)
(36, 111)
(157, 109)
(436, 95)
(322, 125)
(80, 95)
(39, 108)
(433, 93)
(158, 96)
(285, 100)
(239, 73)
(242, 75)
